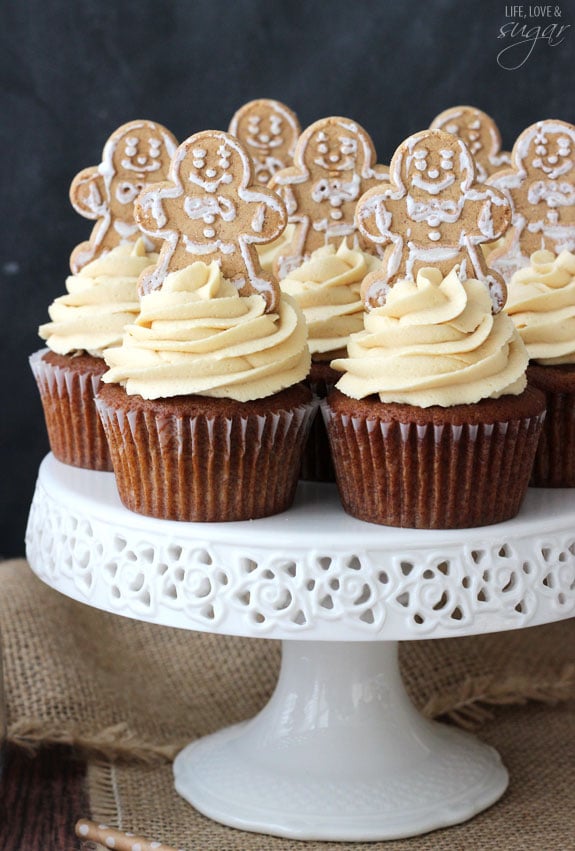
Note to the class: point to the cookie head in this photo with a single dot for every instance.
(334, 147)
(136, 154)
(474, 127)
(269, 130)
(550, 152)
(213, 165)
(435, 166)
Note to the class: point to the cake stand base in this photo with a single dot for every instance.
(340, 753)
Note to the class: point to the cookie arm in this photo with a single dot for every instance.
(493, 214)
(374, 215)
(152, 212)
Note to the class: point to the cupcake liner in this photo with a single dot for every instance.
(317, 465)
(554, 465)
(74, 429)
(430, 476)
(205, 468)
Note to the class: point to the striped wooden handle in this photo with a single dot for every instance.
(110, 837)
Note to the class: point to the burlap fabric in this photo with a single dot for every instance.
(135, 693)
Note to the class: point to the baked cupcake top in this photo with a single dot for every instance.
(198, 335)
(541, 303)
(435, 341)
(211, 321)
(100, 300)
(327, 288)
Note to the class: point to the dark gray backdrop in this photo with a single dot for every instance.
(73, 70)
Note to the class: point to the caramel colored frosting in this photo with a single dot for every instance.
(197, 335)
(434, 342)
(269, 252)
(541, 303)
(327, 288)
(100, 300)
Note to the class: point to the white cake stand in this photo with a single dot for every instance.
(339, 752)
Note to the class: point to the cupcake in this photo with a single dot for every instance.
(100, 300)
(202, 405)
(541, 303)
(101, 293)
(432, 424)
(327, 289)
(327, 258)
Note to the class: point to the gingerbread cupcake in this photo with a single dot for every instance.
(324, 265)
(537, 258)
(432, 424)
(202, 406)
(101, 293)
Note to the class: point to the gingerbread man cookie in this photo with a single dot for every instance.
(434, 213)
(210, 209)
(135, 154)
(334, 163)
(481, 135)
(269, 130)
(540, 186)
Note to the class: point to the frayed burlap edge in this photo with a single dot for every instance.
(469, 706)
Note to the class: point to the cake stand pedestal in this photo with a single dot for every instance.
(339, 752)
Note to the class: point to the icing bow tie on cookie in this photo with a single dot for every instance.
(210, 210)
(135, 154)
(433, 213)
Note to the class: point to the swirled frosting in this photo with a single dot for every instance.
(541, 303)
(327, 288)
(100, 300)
(197, 335)
(269, 252)
(434, 342)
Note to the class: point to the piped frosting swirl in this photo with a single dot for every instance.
(197, 335)
(327, 288)
(434, 342)
(541, 303)
(100, 300)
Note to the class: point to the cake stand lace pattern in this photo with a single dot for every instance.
(211, 584)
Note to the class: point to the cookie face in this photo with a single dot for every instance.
(540, 186)
(269, 131)
(480, 134)
(209, 209)
(433, 213)
(134, 155)
(334, 163)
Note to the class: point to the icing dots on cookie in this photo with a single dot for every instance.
(210, 209)
(135, 154)
(481, 135)
(433, 213)
(334, 163)
(540, 186)
(269, 131)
